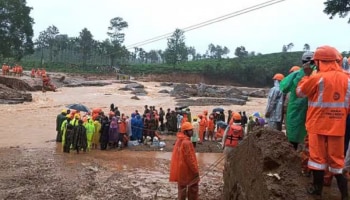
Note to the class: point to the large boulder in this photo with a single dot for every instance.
(261, 93)
(134, 85)
(264, 167)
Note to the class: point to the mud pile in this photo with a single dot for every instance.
(12, 91)
(264, 167)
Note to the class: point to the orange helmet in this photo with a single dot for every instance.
(326, 53)
(294, 68)
(236, 116)
(200, 115)
(278, 77)
(186, 126)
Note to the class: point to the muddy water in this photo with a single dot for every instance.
(31, 128)
(32, 124)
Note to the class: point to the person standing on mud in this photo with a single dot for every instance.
(297, 107)
(184, 165)
(105, 123)
(233, 134)
(161, 118)
(59, 120)
(195, 135)
(80, 139)
(69, 136)
(274, 108)
(328, 96)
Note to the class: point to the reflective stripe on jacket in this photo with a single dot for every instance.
(328, 94)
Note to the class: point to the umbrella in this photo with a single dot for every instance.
(257, 114)
(218, 110)
(78, 107)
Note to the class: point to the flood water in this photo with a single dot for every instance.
(31, 126)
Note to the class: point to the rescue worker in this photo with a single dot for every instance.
(90, 129)
(274, 108)
(59, 120)
(195, 135)
(202, 127)
(97, 133)
(233, 134)
(79, 137)
(184, 166)
(297, 107)
(328, 94)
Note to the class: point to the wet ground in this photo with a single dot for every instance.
(32, 165)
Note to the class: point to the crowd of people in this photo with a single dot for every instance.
(115, 129)
(313, 101)
(16, 70)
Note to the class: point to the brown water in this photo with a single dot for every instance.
(31, 126)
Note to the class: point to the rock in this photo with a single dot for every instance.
(166, 84)
(134, 85)
(135, 97)
(139, 91)
(234, 91)
(163, 91)
(258, 93)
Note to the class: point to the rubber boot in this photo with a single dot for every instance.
(317, 186)
(343, 186)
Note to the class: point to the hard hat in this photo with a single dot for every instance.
(111, 113)
(326, 53)
(294, 68)
(76, 116)
(236, 116)
(195, 118)
(186, 126)
(64, 111)
(278, 77)
(68, 115)
(200, 115)
(205, 111)
(307, 56)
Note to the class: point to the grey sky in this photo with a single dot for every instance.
(265, 30)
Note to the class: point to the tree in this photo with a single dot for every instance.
(241, 52)
(217, 51)
(192, 52)
(176, 50)
(117, 24)
(290, 46)
(86, 43)
(340, 7)
(306, 47)
(284, 49)
(16, 29)
(116, 50)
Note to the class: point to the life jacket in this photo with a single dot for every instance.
(234, 134)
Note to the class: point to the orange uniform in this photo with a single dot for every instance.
(184, 168)
(328, 94)
(202, 127)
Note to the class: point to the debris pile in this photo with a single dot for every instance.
(264, 166)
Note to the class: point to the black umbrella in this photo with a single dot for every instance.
(218, 110)
(78, 107)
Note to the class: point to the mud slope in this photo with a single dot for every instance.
(265, 151)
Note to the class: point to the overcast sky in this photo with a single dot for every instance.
(265, 30)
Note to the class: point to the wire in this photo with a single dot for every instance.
(208, 22)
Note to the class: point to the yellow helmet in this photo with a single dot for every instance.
(64, 111)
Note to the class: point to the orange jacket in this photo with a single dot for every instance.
(174, 169)
(211, 125)
(123, 127)
(188, 165)
(328, 94)
(202, 125)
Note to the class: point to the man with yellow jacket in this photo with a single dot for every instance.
(328, 94)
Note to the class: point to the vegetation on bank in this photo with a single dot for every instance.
(251, 71)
